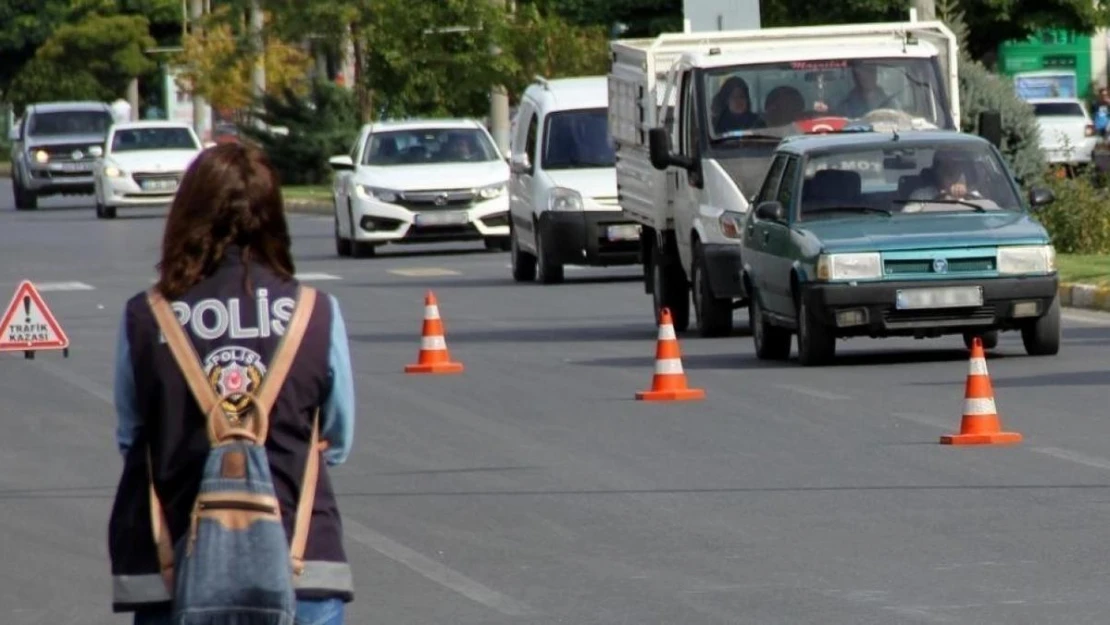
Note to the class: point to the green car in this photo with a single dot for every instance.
(869, 234)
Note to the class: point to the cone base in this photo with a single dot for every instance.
(435, 367)
(677, 394)
(987, 438)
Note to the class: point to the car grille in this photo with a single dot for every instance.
(64, 153)
(445, 199)
(982, 315)
(919, 266)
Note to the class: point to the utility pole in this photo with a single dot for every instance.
(258, 71)
(499, 105)
(926, 10)
(200, 107)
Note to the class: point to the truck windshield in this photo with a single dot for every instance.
(794, 97)
(914, 178)
(578, 139)
(69, 123)
(426, 146)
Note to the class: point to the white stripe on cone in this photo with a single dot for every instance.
(979, 406)
(431, 312)
(666, 333)
(978, 366)
(668, 366)
(433, 343)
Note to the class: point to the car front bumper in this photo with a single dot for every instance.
(125, 191)
(59, 178)
(868, 309)
(382, 222)
(598, 238)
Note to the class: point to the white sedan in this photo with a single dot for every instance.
(142, 164)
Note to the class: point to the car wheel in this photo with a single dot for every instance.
(1042, 337)
(669, 290)
(524, 264)
(548, 272)
(342, 246)
(24, 200)
(105, 212)
(989, 338)
(714, 315)
(816, 345)
(771, 342)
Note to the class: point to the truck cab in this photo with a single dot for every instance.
(697, 117)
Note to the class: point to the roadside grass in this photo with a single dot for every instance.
(320, 193)
(1084, 268)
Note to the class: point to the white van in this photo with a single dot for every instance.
(563, 186)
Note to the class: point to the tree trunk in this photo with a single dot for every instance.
(362, 91)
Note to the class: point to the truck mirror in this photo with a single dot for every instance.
(659, 147)
(771, 211)
(990, 127)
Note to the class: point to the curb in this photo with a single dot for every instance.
(311, 207)
(1086, 296)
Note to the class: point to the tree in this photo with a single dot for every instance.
(643, 18)
(548, 45)
(217, 62)
(24, 26)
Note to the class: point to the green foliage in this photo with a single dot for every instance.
(644, 18)
(24, 26)
(1079, 219)
(982, 91)
(42, 81)
(320, 126)
(549, 46)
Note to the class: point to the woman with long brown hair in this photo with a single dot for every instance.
(227, 272)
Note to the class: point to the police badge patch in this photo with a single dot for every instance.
(233, 372)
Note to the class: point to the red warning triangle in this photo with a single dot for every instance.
(28, 323)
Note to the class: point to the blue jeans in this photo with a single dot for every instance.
(309, 612)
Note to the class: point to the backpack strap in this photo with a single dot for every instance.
(308, 497)
(283, 357)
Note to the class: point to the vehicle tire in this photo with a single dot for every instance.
(670, 290)
(714, 315)
(342, 246)
(24, 200)
(816, 345)
(358, 248)
(989, 338)
(524, 264)
(1042, 337)
(105, 212)
(547, 271)
(497, 244)
(771, 342)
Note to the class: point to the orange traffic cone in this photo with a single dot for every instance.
(980, 424)
(669, 381)
(434, 357)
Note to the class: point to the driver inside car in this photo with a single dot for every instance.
(954, 173)
(866, 95)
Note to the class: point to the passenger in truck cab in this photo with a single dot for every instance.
(783, 105)
(732, 107)
(866, 95)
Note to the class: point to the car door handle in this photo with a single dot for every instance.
(766, 236)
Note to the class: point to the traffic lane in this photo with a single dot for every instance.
(46, 203)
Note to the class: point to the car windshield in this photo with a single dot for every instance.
(799, 96)
(1058, 109)
(578, 139)
(428, 146)
(69, 123)
(911, 179)
(135, 139)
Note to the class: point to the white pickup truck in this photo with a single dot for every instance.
(735, 95)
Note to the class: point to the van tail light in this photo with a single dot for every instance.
(1090, 130)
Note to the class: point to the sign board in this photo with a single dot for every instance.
(28, 325)
(1046, 85)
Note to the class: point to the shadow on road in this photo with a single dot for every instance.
(462, 282)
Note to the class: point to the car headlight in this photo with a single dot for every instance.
(41, 156)
(858, 266)
(1021, 259)
(732, 224)
(383, 195)
(492, 191)
(562, 199)
(113, 172)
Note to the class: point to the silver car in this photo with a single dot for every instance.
(51, 149)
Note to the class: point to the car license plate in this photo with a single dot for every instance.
(159, 185)
(623, 233)
(449, 218)
(76, 166)
(945, 297)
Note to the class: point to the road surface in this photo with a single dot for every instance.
(532, 489)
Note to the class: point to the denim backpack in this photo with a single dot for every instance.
(234, 566)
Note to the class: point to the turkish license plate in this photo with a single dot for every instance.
(447, 218)
(943, 297)
(159, 185)
(76, 166)
(623, 233)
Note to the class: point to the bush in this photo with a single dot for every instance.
(320, 126)
(1079, 220)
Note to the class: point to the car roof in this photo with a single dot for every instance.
(149, 123)
(805, 144)
(76, 105)
(423, 123)
(579, 92)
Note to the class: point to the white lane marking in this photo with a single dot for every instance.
(64, 286)
(317, 276)
(1087, 316)
(569, 267)
(812, 392)
(424, 272)
(1074, 456)
(435, 571)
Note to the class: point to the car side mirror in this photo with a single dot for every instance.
(990, 127)
(13, 133)
(770, 211)
(519, 163)
(659, 147)
(1041, 196)
(341, 163)
(96, 151)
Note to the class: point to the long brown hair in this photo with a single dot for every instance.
(230, 196)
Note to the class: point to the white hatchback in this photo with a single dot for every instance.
(420, 181)
(142, 164)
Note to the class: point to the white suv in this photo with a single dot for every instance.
(420, 181)
(563, 189)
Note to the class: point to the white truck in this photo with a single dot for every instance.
(735, 95)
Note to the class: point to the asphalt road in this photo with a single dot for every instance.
(532, 489)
